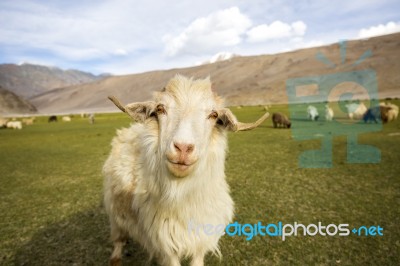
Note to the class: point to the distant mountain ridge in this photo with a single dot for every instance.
(28, 80)
(242, 80)
(12, 104)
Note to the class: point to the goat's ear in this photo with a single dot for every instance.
(229, 121)
(138, 111)
(141, 111)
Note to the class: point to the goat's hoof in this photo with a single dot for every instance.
(115, 262)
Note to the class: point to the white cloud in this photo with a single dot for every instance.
(299, 28)
(381, 29)
(74, 33)
(120, 51)
(276, 30)
(207, 34)
(124, 36)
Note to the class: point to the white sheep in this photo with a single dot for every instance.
(3, 122)
(393, 111)
(14, 124)
(28, 121)
(167, 171)
(356, 110)
(328, 113)
(312, 113)
(91, 118)
(66, 119)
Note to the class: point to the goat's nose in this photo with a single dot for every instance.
(183, 148)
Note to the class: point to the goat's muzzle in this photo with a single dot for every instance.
(181, 161)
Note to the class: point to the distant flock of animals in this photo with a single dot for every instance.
(54, 118)
(385, 112)
(13, 123)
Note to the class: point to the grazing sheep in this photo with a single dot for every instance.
(66, 119)
(356, 111)
(393, 112)
(166, 173)
(376, 113)
(14, 124)
(91, 119)
(279, 119)
(328, 113)
(3, 122)
(52, 118)
(312, 113)
(28, 121)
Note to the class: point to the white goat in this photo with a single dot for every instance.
(356, 111)
(167, 171)
(328, 113)
(14, 124)
(312, 113)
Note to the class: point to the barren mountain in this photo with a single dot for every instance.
(246, 80)
(28, 80)
(12, 104)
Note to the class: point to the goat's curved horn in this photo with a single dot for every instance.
(117, 103)
(248, 126)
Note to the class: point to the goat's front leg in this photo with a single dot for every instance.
(119, 240)
(198, 259)
(169, 260)
(116, 256)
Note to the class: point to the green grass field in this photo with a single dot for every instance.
(51, 192)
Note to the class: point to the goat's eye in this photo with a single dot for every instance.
(213, 115)
(160, 109)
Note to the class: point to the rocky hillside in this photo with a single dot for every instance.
(28, 80)
(10, 103)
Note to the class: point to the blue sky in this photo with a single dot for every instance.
(124, 37)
